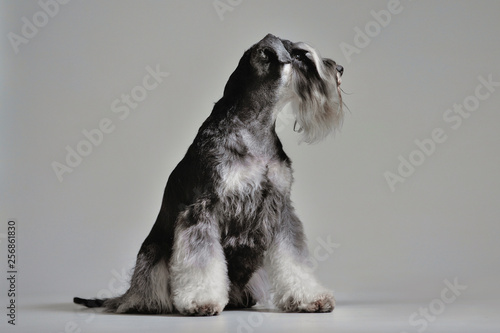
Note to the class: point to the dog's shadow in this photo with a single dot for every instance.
(75, 308)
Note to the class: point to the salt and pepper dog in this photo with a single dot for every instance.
(227, 235)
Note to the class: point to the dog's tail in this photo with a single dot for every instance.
(89, 303)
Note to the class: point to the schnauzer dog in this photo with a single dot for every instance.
(226, 229)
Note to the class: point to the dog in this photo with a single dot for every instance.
(227, 234)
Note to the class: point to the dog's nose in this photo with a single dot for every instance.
(340, 69)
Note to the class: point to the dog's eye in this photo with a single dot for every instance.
(264, 54)
(300, 55)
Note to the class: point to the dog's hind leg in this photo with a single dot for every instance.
(199, 279)
(149, 290)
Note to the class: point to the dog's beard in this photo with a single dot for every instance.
(315, 96)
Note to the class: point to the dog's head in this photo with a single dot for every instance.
(274, 72)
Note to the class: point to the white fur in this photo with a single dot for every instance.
(280, 176)
(242, 177)
(295, 287)
(320, 114)
(199, 277)
(258, 286)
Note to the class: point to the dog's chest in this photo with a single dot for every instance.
(250, 175)
(251, 190)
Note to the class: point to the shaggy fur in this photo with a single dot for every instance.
(226, 228)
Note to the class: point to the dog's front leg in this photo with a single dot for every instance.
(199, 282)
(295, 288)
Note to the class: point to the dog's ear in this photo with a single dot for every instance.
(269, 54)
(261, 64)
(261, 59)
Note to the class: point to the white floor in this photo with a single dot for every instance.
(58, 314)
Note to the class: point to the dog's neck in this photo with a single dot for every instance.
(254, 122)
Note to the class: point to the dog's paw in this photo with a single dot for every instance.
(200, 304)
(208, 309)
(323, 302)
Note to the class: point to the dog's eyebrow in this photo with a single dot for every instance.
(313, 56)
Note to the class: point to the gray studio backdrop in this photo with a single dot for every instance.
(100, 100)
